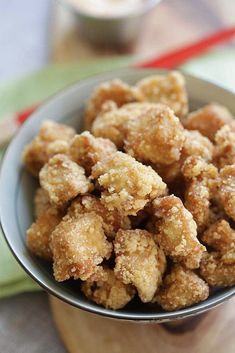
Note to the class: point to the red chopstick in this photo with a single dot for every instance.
(179, 56)
(170, 60)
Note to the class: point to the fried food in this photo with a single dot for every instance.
(157, 136)
(116, 91)
(53, 138)
(201, 185)
(38, 235)
(139, 261)
(41, 202)
(87, 150)
(109, 291)
(126, 184)
(177, 231)
(217, 272)
(113, 220)
(227, 189)
(209, 119)
(169, 90)
(224, 153)
(79, 245)
(63, 179)
(181, 289)
(113, 123)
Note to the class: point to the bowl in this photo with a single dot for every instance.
(17, 190)
(119, 30)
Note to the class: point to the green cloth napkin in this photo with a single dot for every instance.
(218, 66)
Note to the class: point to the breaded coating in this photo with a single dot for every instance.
(177, 231)
(126, 184)
(113, 220)
(195, 144)
(217, 271)
(38, 235)
(87, 150)
(116, 91)
(181, 289)
(53, 138)
(224, 152)
(109, 292)
(209, 119)
(113, 124)
(157, 136)
(201, 185)
(220, 236)
(79, 245)
(41, 202)
(227, 189)
(63, 179)
(139, 261)
(169, 90)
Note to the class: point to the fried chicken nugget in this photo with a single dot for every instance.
(139, 261)
(227, 190)
(224, 153)
(181, 289)
(201, 185)
(157, 136)
(87, 150)
(109, 291)
(169, 90)
(38, 235)
(63, 179)
(113, 219)
(217, 271)
(116, 91)
(209, 119)
(79, 245)
(177, 231)
(113, 124)
(53, 138)
(126, 184)
(41, 202)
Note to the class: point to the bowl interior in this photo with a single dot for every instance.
(17, 190)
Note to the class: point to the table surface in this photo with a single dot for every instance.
(32, 35)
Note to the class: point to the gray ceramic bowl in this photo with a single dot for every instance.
(17, 189)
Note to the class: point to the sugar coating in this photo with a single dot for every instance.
(181, 289)
(126, 184)
(41, 202)
(108, 291)
(139, 261)
(78, 246)
(224, 152)
(166, 89)
(227, 189)
(63, 179)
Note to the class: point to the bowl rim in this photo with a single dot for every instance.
(90, 307)
(147, 6)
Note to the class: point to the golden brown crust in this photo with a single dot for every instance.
(139, 261)
(177, 231)
(209, 119)
(108, 291)
(116, 91)
(181, 289)
(126, 184)
(156, 136)
(41, 202)
(169, 90)
(79, 245)
(227, 190)
(38, 235)
(86, 150)
(63, 179)
(224, 153)
(113, 220)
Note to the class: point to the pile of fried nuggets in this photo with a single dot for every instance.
(142, 204)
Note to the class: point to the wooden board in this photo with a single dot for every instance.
(83, 332)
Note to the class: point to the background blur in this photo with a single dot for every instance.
(34, 34)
